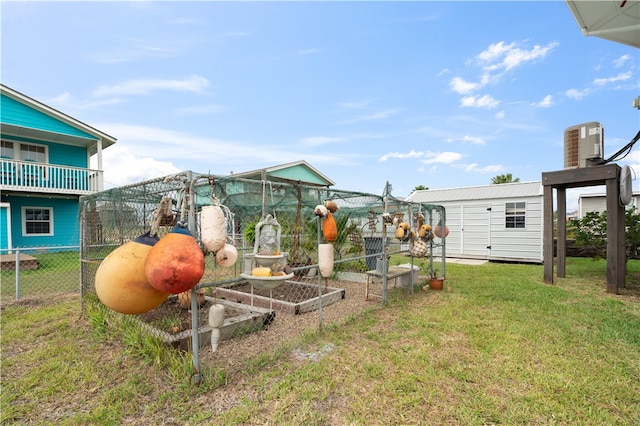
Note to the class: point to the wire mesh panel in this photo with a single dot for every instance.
(299, 222)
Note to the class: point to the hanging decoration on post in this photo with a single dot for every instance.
(325, 259)
(176, 262)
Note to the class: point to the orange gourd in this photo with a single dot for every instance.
(330, 228)
(176, 263)
(438, 231)
(120, 281)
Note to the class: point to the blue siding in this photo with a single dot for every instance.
(63, 155)
(16, 113)
(299, 172)
(66, 228)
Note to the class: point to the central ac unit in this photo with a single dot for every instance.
(583, 145)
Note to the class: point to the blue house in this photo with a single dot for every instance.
(44, 169)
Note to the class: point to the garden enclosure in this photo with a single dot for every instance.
(365, 242)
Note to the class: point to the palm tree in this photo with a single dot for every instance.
(504, 178)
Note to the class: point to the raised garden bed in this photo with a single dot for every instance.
(291, 297)
(173, 324)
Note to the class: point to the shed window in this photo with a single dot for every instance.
(514, 215)
(37, 221)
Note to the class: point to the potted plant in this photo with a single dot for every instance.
(436, 282)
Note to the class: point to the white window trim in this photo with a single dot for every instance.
(524, 214)
(23, 221)
(17, 151)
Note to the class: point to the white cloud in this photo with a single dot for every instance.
(381, 115)
(410, 154)
(195, 84)
(485, 101)
(576, 94)
(546, 102)
(66, 102)
(446, 157)
(473, 167)
(122, 167)
(619, 62)
(356, 104)
(474, 140)
(496, 60)
(501, 56)
(620, 77)
(461, 86)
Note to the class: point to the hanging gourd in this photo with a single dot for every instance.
(325, 259)
(213, 228)
(330, 228)
(121, 283)
(227, 256)
(438, 230)
(176, 263)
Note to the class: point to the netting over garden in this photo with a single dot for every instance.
(365, 242)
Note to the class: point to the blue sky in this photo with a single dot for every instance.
(440, 94)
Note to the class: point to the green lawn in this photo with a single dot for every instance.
(496, 346)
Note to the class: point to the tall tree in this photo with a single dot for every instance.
(504, 178)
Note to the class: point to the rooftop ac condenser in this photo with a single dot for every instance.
(583, 145)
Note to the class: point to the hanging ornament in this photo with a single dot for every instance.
(120, 280)
(176, 263)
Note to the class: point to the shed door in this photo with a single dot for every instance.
(476, 229)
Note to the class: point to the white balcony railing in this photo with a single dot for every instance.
(32, 176)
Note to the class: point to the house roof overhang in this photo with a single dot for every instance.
(614, 20)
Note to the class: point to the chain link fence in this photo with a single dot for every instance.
(39, 272)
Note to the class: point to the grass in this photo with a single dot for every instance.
(496, 346)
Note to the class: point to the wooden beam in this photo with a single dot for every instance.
(616, 257)
(547, 250)
(580, 177)
(561, 249)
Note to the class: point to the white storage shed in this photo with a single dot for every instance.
(492, 222)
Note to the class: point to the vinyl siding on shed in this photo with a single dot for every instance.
(476, 218)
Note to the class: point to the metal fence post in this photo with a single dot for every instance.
(17, 274)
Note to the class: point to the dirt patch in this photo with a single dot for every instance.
(291, 292)
(172, 318)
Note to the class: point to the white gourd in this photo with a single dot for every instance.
(213, 229)
(325, 259)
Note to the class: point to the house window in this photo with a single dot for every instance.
(21, 151)
(514, 215)
(6, 150)
(37, 221)
(30, 152)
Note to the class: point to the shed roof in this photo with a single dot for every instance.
(298, 171)
(485, 192)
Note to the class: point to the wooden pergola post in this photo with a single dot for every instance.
(608, 175)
